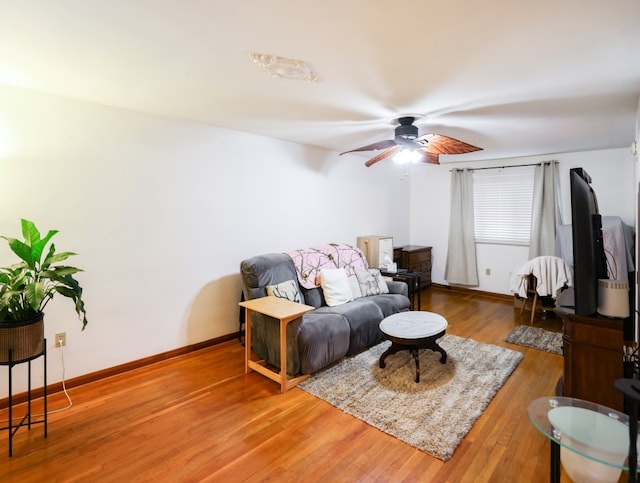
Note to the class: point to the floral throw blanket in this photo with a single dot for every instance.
(309, 261)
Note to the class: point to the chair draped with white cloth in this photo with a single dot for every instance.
(544, 276)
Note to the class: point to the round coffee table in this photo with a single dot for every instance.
(413, 331)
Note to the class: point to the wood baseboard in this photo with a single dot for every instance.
(470, 291)
(112, 371)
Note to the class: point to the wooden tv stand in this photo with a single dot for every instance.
(593, 357)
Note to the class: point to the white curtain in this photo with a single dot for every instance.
(461, 266)
(546, 215)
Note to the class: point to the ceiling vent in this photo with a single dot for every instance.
(285, 68)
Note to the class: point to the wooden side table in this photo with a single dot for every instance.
(285, 311)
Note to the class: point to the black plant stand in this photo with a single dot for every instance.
(26, 420)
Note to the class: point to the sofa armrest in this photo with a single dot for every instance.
(398, 287)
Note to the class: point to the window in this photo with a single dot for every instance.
(503, 201)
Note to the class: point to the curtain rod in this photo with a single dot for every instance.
(503, 167)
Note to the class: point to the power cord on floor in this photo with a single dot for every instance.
(64, 389)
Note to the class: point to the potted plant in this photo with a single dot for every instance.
(27, 286)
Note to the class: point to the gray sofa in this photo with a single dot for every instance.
(321, 336)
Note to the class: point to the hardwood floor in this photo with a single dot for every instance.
(198, 417)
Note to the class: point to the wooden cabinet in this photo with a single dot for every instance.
(415, 258)
(593, 354)
(376, 249)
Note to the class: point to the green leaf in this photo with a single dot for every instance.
(74, 292)
(35, 292)
(38, 247)
(22, 250)
(55, 257)
(58, 273)
(73, 283)
(30, 233)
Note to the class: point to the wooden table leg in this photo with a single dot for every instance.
(283, 355)
(247, 339)
(414, 353)
(392, 349)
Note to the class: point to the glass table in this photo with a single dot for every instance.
(591, 441)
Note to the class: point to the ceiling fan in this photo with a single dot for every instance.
(418, 149)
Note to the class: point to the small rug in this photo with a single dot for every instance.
(536, 337)
(432, 415)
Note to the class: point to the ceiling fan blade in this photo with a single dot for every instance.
(381, 156)
(427, 157)
(439, 144)
(375, 146)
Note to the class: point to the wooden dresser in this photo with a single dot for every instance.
(593, 353)
(415, 258)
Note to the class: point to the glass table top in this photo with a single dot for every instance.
(591, 430)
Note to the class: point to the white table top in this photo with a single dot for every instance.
(413, 324)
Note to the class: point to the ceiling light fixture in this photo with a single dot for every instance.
(286, 68)
(407, 156)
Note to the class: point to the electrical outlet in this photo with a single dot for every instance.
(487, 271)
(61, 339)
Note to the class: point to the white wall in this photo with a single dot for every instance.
(162, 211)
(613, 174)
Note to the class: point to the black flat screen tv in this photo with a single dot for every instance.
(589, 261)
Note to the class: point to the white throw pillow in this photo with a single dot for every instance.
(286, 290)
(335, 285)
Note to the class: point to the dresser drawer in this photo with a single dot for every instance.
(416, 258)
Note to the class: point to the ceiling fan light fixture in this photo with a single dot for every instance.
(285, 68)
(406, 128)
(407, 132)
(407, 156)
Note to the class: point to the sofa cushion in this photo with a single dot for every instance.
(390, 304)
(323, 339)
(287, 290)
(313, 296)
(363, 317)
(335, 286)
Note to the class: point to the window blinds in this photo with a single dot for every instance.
(503, 200)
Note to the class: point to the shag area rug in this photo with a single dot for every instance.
(432, 415)
(536, 337)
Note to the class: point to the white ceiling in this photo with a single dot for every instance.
(514, 77)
